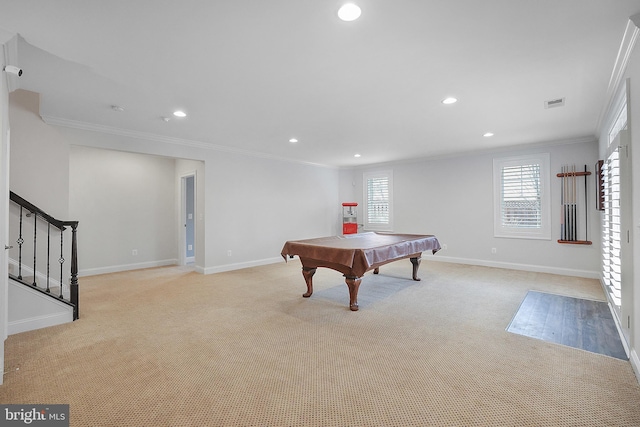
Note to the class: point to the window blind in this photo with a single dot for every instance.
(611, 243)
(378, 200)
(521, 197)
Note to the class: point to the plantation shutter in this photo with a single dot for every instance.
(378, 201)
(611, 230)
(522, 202)
(521, 196)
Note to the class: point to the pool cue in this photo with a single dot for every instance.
(565, 205)
(586, 209)
(575, 204)
(562, 216)
(568, 205)
(571, 202)
(574, 229)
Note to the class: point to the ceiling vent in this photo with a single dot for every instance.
(552, 103)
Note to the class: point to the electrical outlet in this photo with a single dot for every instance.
(494, 250)
(229, 252)
(444, 246)
(134, 252)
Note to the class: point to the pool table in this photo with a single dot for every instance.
(355, 254)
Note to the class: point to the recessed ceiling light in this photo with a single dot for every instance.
(293, 140)
(488, 134)
(356, 155)
(179, 113)
(450, 100)
(349, 12)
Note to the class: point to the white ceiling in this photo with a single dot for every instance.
(252, 74)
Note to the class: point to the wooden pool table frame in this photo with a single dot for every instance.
(353, 255)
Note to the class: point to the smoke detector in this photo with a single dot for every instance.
(552, 103)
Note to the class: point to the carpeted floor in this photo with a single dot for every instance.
(167, 347)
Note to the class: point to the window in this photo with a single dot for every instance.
(611, 269)
(378, 201)
(617, 218)
(613, 234)
(521, 197)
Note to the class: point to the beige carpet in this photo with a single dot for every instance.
(167, 347)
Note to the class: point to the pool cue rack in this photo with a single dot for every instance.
(569, 200)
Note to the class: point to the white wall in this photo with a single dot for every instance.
(252, 204)
(39, 154)
(123, 202)
(258, 204)
(634, 75)
(452, 198)
(31, 309)
(4, 195)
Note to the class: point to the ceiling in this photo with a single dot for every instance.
(253, 74)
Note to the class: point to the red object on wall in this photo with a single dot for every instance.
(349, 218)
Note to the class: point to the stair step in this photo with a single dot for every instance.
(53, 290)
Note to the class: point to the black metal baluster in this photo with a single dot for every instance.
(20, 241)
(48, 253)
(61, 260)
(73, 285)
(27, 209)
(35, 228)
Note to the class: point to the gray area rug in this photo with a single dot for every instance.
(574, 322)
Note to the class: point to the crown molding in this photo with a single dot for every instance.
(587, 139)
(92, 127)
(627, 44)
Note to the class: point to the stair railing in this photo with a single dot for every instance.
(44, 222)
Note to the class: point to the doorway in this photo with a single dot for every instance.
(188, 218)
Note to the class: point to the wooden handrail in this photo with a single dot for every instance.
(36, 210)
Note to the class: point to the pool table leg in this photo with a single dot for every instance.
(308, 275)
(353, 283)
(416, 263)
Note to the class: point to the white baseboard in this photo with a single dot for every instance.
(635, 363)
(33, 323)
(437, 258)
(241, 265)
(126, 267)
(513, 266)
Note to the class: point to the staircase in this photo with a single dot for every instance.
(43, 268)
